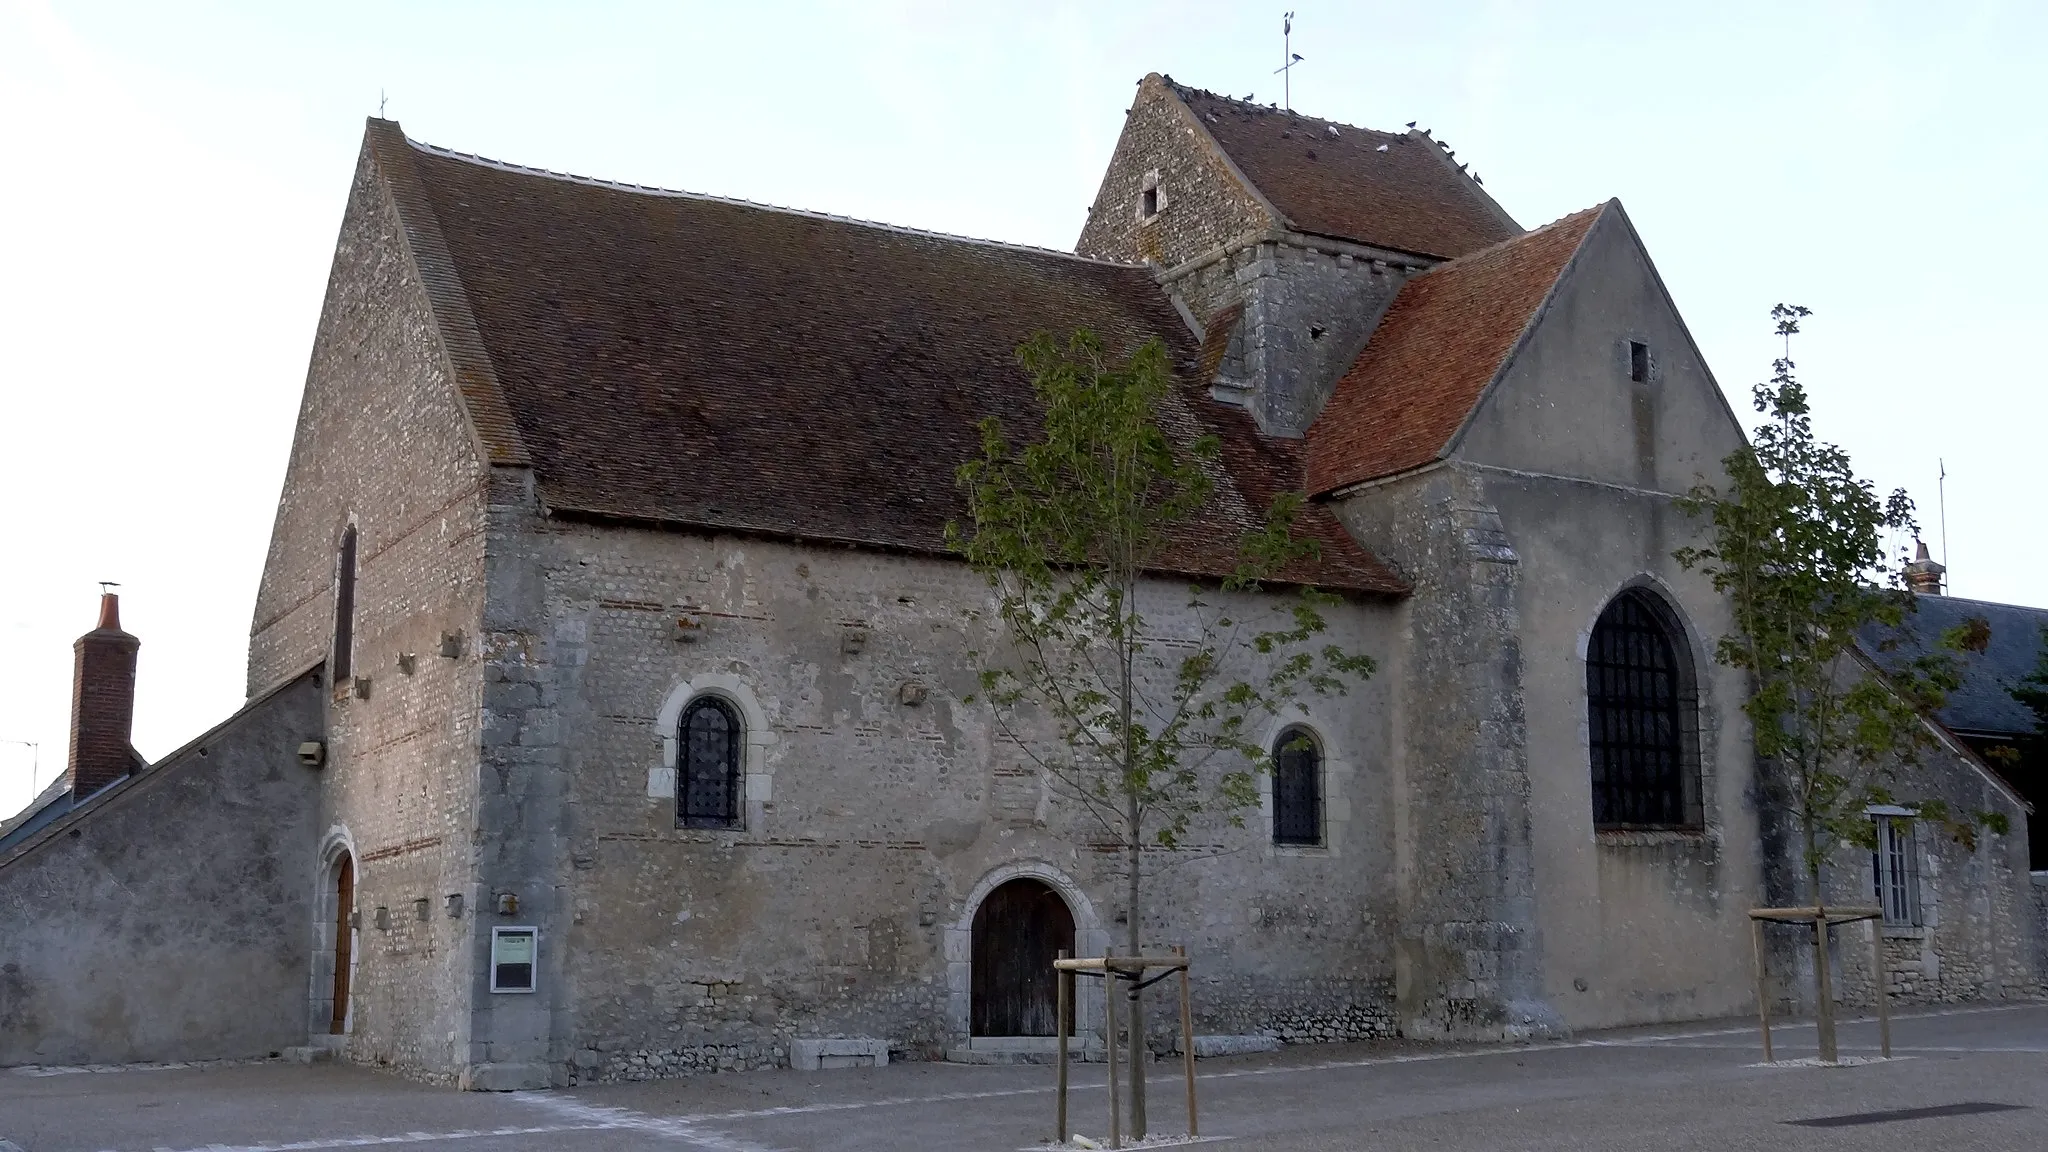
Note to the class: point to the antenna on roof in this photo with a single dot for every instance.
(1941, 487)
(1287, 62)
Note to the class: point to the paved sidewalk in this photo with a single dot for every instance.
(1963, 1081)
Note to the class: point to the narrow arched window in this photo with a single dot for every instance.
(345, 606)
(708, 765)
(1641, 717)
(1297, 788)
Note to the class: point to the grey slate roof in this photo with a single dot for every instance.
(1984, 704)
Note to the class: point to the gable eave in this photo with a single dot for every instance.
(491, 424)
(1522, 338)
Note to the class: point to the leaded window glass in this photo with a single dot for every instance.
(708, 765)
(1639, 727)
(1297, 788)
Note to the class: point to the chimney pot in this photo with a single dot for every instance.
(102, 703)
(1924, 574)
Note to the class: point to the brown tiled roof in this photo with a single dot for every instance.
(1216, 339)
(688, 361)
(1449, 332)
(1409, 197)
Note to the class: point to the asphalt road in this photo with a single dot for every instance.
(1982, 1072)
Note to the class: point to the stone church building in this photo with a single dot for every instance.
(609, 670)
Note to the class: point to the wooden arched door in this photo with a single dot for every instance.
(1018, 932)
(344, 941)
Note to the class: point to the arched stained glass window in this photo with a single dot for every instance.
(1641, 717)
(708, 765)
(1297, 788)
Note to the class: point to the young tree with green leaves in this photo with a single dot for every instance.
(1798, 545)
(1074, 529)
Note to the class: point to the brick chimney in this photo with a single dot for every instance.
(1924, 575)
(102, 703)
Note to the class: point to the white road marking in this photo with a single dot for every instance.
(687, 1129)
(319, 1143)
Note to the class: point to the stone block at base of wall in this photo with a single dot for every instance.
(669, 1063)
(838, 1052)
(505, 1077)
(1207, 1047)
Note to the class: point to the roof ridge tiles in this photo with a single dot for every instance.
(1263, 110)
(741, 202)
(1518, 238)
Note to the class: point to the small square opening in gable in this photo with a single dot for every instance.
(1150, 201)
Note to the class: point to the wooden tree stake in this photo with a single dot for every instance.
(1763, 998)
(1065, 1025)
(1187, 1038)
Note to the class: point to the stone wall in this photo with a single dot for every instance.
(1469, 951)
(1582, 465)
(383, 443)
(1310, 303)
(876, 814)
(2040, 894)
(167, 919)
(1975, 940)
(1203, 202)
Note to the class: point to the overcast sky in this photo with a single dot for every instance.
(174, 176)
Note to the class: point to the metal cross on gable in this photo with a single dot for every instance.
(1287, 62)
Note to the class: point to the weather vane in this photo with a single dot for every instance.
(1288, 60)
(380, 103)
(107, 586)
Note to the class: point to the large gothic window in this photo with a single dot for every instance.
(708, 765)
(1641, 717)
(1297, 788)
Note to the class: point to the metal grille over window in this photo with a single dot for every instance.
(1896, 864)
(1297, 789)
(709, 765)
(1637, 693)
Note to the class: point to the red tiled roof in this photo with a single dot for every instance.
(1408, 197)
(1449, 332)
(682, 360)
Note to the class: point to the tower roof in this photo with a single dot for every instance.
(1389, 189)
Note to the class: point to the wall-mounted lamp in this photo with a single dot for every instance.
(312, 753)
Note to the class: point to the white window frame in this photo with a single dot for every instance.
(533, 962)
(1895, 865)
